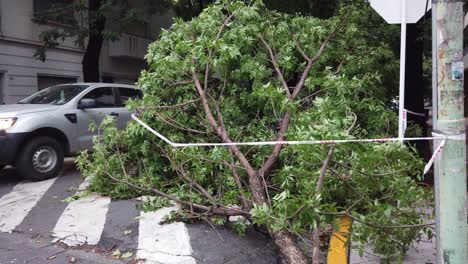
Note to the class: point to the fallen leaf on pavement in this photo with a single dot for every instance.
(127, 255)
(116, 253)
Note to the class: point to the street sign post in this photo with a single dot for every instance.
(401, 12)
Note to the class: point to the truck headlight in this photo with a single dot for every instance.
(7, 123)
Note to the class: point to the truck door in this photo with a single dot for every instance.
(106, 106)
(125, 94)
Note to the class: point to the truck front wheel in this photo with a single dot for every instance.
(40, 159)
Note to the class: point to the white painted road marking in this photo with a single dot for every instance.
(15, 205)
(168, 243)
(83, 220)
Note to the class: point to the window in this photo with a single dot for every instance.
(56, 12)
(41, 6)
(128, 93)
(48, 81)
(104, 97)
(55, 95)
(107, 79)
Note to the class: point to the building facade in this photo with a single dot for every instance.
(21, 74)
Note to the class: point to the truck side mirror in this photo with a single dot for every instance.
(87, 103)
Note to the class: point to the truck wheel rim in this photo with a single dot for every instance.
(44, 159)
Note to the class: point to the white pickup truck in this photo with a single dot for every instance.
(40, 130)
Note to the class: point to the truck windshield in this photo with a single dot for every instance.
(55, 95)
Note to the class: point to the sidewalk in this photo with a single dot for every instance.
(423, 252)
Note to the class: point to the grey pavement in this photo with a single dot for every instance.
(224, 246)
(423, 252)
(20, 248)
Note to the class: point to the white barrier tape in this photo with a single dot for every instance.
(434, 156)
(461, 136)
(152, 130)
(313, 142)
(415, 113)
(405, 120)
(264, 143)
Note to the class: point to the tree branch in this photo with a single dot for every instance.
(210, 53)
(275, 65)
(178, 125)
(374, 225)
(323, 169)
(316, 255)
(268, 164)
(183, 175)
(214, 210)
(171, 106)
(301, 50)
(245, 203)
(254, 180)
(311, 61)
(312, 95)
(193, 183)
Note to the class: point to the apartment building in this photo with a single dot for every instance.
(21, 74)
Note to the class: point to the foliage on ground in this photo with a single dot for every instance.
(343, 97)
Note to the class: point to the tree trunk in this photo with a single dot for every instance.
(316, 252)
(90, 61)
(289, 248)
(414, 92)
(201, 5)
(283, 239)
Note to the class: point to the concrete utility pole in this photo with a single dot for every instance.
(452, 236)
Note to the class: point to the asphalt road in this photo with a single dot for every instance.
(38, 226)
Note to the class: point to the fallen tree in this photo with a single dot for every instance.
(240, 72)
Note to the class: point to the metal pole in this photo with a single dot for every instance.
(434, 124)
(434, 68)
(401, 98)
(451, 183)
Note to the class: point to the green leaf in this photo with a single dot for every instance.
(127, 255)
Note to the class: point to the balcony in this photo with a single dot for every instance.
(129, 46)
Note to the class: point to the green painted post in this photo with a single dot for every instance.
(451, 181)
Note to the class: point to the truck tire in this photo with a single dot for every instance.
(40, 159)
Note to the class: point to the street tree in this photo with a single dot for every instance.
(242, 72)
(88, 24)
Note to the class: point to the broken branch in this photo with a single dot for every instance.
(275, 65)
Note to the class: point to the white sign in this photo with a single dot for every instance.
(391, 10)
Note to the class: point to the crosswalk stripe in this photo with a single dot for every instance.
(42, 218)
(168, 243)
(16, 204)
(83, 220)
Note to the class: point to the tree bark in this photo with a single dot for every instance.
(90, 63)
(289, 248)
(415, 92)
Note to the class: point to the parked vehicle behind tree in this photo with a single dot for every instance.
(40, 130)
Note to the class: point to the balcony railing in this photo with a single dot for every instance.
(129, 46)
